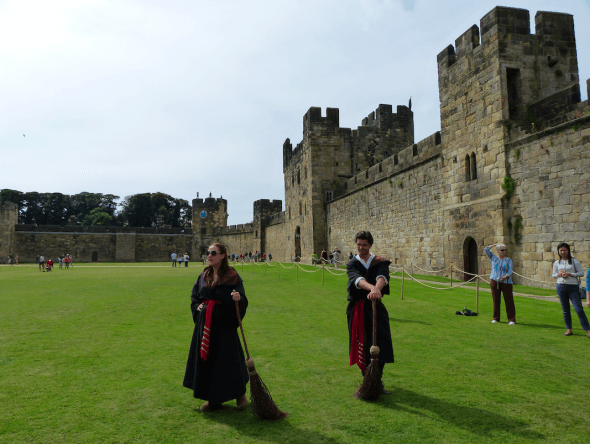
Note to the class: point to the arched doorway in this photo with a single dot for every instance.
(469, 258)
(297, 244)
(95, 256)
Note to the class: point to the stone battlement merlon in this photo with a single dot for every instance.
(384, 118)
(511, 25)
(209, 201)
(314, 115)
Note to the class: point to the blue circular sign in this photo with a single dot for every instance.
(203, 214)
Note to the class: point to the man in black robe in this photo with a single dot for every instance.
(368, 279)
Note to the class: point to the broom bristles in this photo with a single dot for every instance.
(372, 387)
(261, 402)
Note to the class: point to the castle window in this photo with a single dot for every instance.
(473, 167)
(300, 208)
(305, 176)
(380, 167)
(289, 212)
(415, 150)
(467, 168)
(256, 234)
(329, 195)
(298, 178)
(293, 180)
(395, 161)
(367, 174)
(203, 231)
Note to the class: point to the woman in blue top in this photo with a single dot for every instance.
(501, 282)
(566, 270)
(588, 288)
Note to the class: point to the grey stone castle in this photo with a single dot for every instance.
(510, 164)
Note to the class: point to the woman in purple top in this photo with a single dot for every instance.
(501, 283)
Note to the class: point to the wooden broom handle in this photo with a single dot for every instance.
(374, 322)
(241, 328)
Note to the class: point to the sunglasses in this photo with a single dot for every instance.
(212, 253)
(502, 250)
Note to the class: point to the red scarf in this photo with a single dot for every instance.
(207, 329)
(357, 336)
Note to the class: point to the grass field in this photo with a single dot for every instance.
(96, 354)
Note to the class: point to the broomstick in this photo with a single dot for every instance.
(371, 388)
(261, 402)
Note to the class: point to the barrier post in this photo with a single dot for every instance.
(242, 267)
(451, 274)
(412, 270)
(323, 272)
(402, 284)
(477, 296)
(279, 272)
(297, 266)
(265, 264)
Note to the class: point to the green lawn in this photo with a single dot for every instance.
(96, 354)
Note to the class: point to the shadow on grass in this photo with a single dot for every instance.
(407, 321)
(546, 326)
(281, 431)
(473, 419)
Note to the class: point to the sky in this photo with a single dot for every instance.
(134, 96)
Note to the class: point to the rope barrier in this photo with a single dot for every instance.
(432, 271)
(441, 288)
(308, 271)
(335, 274)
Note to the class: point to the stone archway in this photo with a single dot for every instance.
(297, 244)
(95, 256)
(469, 258)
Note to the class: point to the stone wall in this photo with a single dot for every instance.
(551, 201)
(402, 211)
(8, 220)
(88, 246)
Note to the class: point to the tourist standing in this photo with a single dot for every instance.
(173, 256)
(501, 283)
(566, 270)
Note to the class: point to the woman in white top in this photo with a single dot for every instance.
(566, 270)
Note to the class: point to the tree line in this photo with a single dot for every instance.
(92, 209)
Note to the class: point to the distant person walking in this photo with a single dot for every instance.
(501, 283)
(566, 270)
(186, 258)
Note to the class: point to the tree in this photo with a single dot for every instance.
(97, 217)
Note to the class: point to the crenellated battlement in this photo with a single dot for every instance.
(264, 207)
(383, 118)
(314, 116)
(408, 158)
(290, 154)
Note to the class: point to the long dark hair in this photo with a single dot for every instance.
(223, 267)
(569, 253)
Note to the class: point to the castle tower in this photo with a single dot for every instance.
(487, 89)
(316, 170)
(208, 214)
(263, 210)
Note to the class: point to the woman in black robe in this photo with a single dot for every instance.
(216, 369)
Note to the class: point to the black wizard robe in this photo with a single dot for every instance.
(223, 375)
(355, 269)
